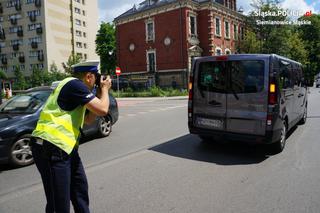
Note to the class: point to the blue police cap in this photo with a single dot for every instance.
(87, 66)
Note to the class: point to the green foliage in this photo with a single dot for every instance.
(152, 92)
(3, 75)
(72, 60)
(37, 77)
(20, 83)
(55, 74)
(310, 34)
(250, 44)
(106, 47)
(278, 39)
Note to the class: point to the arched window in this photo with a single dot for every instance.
(218, 51)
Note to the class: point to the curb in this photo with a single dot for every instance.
(152, 98)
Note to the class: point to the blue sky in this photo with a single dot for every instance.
(109, 9)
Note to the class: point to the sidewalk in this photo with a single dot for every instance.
(152, 98)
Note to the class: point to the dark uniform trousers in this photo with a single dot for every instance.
(63, 178)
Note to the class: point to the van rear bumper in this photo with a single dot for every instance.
(269, 137)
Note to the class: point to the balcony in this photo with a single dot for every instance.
(13, 21)
(34, 45)
(20, 33)
(18, 6)
(4, 61)
(37, 3)
(33, 18)
(41, 57)
(39, 30)
(15, 47)
(21, 59)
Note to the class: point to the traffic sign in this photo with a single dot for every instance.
(118, 71)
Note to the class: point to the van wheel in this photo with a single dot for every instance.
(279, 145)
(304, 118)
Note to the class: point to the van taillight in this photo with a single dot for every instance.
(272, 94)
(190, 87)
(269, 120)
(272, 100)
(190, 97)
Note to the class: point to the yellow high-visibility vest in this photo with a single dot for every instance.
(57, 126)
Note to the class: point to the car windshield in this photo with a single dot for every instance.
(25, 103)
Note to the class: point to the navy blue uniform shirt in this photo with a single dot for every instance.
(73, 94)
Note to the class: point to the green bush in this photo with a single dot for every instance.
(152, 92)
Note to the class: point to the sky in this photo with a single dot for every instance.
(110, 9)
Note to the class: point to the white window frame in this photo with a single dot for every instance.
(193, 15)
(235, 31)
(225, 29)
(218, 48)
(215, 26)
(227, 50)
(150, 21)
(155, 59)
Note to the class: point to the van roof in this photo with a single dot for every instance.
(248, 56)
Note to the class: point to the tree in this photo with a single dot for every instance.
(272, 34)
(20, 83)
(3, 75)
(310, 34)
(55, 74)
(250, 43)
(72, 60)
(37, 77)
(106, 47)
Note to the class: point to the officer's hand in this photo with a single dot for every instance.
(105, 84)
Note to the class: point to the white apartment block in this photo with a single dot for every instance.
(38, 33)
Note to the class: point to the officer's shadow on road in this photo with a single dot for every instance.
(230, 153)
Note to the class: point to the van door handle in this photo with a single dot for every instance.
(300, 95)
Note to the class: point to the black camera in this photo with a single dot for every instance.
(98, 79)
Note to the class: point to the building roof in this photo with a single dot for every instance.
(150, 4)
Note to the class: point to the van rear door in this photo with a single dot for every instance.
(247, 99)
(210, 95)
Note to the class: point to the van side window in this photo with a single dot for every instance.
(212, 76)
(286, 75)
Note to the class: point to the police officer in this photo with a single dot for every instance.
(56, 137)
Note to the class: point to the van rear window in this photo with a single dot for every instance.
(232, 76)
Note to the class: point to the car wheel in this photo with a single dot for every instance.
(104, 126)
(279, 145)
(20, 152)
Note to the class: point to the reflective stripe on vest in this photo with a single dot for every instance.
(61, 128)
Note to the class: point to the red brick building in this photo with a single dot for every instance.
(157, 40)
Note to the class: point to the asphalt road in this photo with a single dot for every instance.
(150, 163)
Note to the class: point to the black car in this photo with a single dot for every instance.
(19, 116)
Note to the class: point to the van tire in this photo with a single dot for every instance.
(279, 145)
